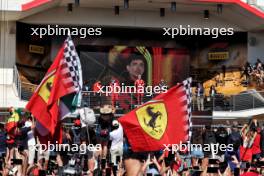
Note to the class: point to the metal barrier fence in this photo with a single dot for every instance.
(243, 101)
(124, 100)
(24, 89)
(27, 90)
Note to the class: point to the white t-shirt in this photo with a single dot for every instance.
(116, 137)
(82, 116)
(30, 134)
(86, 115)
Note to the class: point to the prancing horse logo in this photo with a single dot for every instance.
(45, 88)
(153, 119)
(154, 115)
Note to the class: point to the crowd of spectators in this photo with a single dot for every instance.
(254, 72)
(115, 157)
(249, 74)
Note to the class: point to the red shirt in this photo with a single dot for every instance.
(35, 171)
(114, 87)
(77, 122)
(11, 136)
(250, 174)
(256, 145)
(139, 82)
(176, 165)
(97, 86)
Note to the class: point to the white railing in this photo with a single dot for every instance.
(27, 90)
(244, 101)
(17, 81)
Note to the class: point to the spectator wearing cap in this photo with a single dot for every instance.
(116, 136)
(104, 127)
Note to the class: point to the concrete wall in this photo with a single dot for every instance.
(7, 51)
(12, 5)
(132, 18)
(261, 3)
(8, 94)
(255, 46)
(106, 17)
(8, 97)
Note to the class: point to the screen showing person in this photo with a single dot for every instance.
(135, 66)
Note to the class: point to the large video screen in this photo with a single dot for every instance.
(126, 63)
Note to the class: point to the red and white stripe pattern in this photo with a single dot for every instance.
(71, 67)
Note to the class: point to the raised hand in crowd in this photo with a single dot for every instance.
(154, 160)
(121, 170)
(146, 164)
(164, 170)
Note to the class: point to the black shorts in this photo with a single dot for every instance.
(141, 156)
(11, 145)
(102, 140)
(84, 135)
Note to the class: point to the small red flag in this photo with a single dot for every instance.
(162, 121)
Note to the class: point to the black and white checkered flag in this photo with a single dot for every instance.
(188, 89)
(72, 67)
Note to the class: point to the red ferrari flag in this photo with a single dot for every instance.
(63, 78)
(164, 120)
